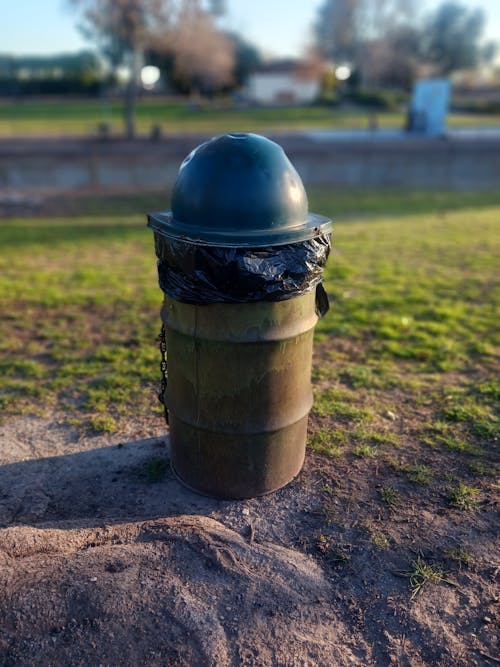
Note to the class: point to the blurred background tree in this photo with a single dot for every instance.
(336, 30)
(247, 58)
(371, 36)
(203, 55)
(452, 38)
(121, 31)
(386, 42)
(181, 37)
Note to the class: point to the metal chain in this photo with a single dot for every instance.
(162, 396)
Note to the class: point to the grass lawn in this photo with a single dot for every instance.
(412, 318)
(76, 117)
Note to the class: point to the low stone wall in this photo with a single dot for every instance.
(469, 163)
(454, 164)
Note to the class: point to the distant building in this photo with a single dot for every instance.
(284, 82)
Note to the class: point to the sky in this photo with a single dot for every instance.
(278, 27)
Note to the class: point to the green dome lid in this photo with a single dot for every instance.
(239, 190)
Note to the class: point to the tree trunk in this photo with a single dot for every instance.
(130, 109)
(131, 93)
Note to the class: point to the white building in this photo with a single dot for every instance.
(284, 82)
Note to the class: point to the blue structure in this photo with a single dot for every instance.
(429, 107)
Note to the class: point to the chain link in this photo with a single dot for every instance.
(162, 396)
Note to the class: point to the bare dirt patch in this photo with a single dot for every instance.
(107, 559)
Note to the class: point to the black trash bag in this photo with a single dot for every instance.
(201, 274)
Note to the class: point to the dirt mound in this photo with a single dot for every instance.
(180, 591)
(105, 559)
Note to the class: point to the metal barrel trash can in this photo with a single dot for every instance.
(240, 262)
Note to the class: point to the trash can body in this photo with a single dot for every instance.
(239, 393)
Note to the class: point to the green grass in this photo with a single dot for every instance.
(412, 326)
(83, 117)
(464, 496)
(423, 573)
(365, 451)
(414, 301)
(155, 470)
(416, 289)
(419, 473)
(327, 441)
(80, 308)
(389, 495)
(33, 117)
(460, 555)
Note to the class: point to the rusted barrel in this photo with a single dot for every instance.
(239, 393)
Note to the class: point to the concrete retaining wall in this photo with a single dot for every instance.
(454, 163)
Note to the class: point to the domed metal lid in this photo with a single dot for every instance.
(239, 190)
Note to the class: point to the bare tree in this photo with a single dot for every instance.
(378, 18)
(202, 53)
(122, 29)
(363, 33)
(336, 29)
(392, 60)
(453, 37)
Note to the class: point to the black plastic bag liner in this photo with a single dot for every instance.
(201, 274)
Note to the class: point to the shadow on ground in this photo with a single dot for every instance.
(129, 479)
(88, 576)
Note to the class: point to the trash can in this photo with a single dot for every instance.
(240, 263)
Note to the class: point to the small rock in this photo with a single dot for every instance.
(391, 415)
(245, 511)
(93, 578)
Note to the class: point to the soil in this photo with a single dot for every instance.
(106, 559)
